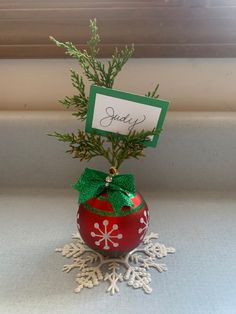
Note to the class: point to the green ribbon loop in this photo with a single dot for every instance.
(120, 188)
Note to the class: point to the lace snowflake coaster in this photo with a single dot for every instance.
(132, 268)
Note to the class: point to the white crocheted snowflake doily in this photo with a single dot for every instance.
(132, 268)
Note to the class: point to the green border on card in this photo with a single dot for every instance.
(143, 100)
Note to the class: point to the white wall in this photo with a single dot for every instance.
(190, 84)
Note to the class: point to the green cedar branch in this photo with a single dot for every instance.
(113, 147)
(93, 68)
(80, 101)
(154, 93)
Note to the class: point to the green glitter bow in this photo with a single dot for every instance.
(120, 187)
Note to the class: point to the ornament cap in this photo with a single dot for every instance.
(113, 171)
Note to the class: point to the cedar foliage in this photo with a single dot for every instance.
(113, 147)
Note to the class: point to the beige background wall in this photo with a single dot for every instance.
(190, 84)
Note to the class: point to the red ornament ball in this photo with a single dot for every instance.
(105, 232)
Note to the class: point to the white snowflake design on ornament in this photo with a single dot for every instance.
(145, 221)
(106, 237)
(78, 221)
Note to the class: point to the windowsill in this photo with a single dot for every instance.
(201, 276)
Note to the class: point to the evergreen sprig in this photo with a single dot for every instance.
(94, 69)
(154, 93)
(80, 101)
(113, 147)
